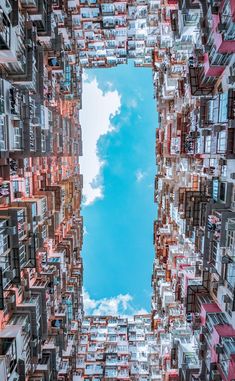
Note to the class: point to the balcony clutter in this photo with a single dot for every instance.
(190, 333)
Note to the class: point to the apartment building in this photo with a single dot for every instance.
(193, 272)
(190, 47)
(117, 348)
(41, 228)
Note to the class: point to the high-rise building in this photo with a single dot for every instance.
(117, 348)
(194, 274)
(190, 47)
(40, 193)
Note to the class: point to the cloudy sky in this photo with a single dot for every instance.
(118, 124)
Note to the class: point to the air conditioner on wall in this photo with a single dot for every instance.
(226, 298)
(231, 79)
(215, 376)
(11, 230)
(226, 260)
(230, 225)
(219, 348)
(8, 274)
(204, 329)
(212, 270)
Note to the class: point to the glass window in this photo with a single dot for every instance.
(222, 142)
(223, 192)
(223, 110)
(208, 144)
(2, 135)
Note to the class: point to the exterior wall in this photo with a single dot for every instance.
(189, 45)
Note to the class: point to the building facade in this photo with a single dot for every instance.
(117, 348)
(41, 227)
(193, 272)
(190, 47)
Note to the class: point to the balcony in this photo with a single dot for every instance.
(64, 368)
(198, 86)
(31, 304)
(94, 370)
(8, 353)
(223, 45)
(110, 373)
(6, 273)
(29, 3)
(226, 358)
(18, 218)
(212, 69)
(5, 33)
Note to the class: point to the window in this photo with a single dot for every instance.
(3, 247)
(223, 108)
(17, 138)
(222, 142)
(15, 186)
(208, 144)
(2, 135)
(223, 188)
(107, 8)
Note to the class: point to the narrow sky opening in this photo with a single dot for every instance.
(118, 121)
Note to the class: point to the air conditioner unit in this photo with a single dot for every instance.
(8, 274)
(233, 205)
(218, 128)
(230, 225)
(37, 218)
(221, 27)
(219, 348)
(226, 260)
(20, 172)
(29, 43)
(11, 230)
(226, 298)
(204, 329)
(27, 294)
(33, 343)
(24, 282)
(203, 346)
(215, 376)
(212, 270)
(231, 79)
(35, 120)
(201, 354)
(232, 175)
(18, 194)
(221, 282)
(10, 299)
(206, 132)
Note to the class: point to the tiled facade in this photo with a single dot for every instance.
(190, 47)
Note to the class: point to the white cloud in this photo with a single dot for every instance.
(95, 117)
(142, 311)
(139, 175)
(116, 306)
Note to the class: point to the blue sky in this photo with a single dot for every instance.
(118, 121)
